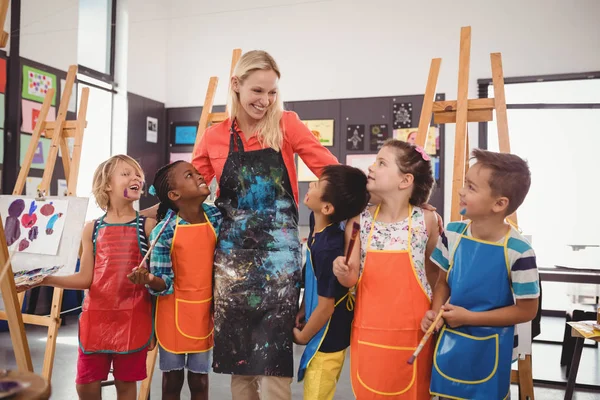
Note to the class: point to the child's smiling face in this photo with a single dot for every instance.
(187, 183)
(126, 182)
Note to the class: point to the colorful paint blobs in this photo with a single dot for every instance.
(35, 275)
(36, 83)
(35, 227)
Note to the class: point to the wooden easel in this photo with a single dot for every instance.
(207, 117)
(58, 130)
(460, 112)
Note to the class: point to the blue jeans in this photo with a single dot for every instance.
(198, 363)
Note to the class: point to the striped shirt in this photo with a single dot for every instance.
(521, 257)
(160, 260)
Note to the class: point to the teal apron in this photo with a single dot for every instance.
(474, 362)
(311, 300)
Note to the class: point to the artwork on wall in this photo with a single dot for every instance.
(323, 129)
(402, 115)
(185, 134)
(2, 75)
(379, 134)
(36, 84)
(361, 161)
(33, 226)
(151, 130)
(41, 152)
(181, 157)
(409, 135)
(355, 137)
(30, 112)
(304, 173)
(62, 187)
(31, 186)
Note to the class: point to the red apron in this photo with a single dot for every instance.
(391, 302)
(116, 315)
(184, 319)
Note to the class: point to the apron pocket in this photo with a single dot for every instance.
(194, 318)
(376, 362)
(475, 362)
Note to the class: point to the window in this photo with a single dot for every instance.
(554, 125)
(95, 45)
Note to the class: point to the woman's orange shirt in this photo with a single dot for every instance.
(211, 153)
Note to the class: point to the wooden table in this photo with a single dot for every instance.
(39, 388)
(579, 339)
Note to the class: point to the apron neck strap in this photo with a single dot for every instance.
(235, 139)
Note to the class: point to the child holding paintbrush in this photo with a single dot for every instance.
(181, 275)
(327, 306)
(390, 269)
(115, 326)
(489, 270)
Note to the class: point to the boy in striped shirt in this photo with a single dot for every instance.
(489, 273)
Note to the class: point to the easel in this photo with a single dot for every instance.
(58, 130)
(207, 117)
(460, 112)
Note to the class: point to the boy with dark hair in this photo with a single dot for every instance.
(340, 194)
(489, 273)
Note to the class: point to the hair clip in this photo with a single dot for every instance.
(423, 153)
(152, 190)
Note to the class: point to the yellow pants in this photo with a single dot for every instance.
(322, 375)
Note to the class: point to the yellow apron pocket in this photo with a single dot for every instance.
(474, 363)
(384, 369)
(194, 318)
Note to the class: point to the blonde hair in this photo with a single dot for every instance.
(103, 174)
(269, 129)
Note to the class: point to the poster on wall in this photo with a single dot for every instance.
(36, 84)
(62, 187)
(432, 146)
(2, 75)
(32, 184)
(379, 134)
(70, 145)
(31, 112)
(355, 137)
(322, 129)
(73, 98)
(186, 134)
(180, 157)
(304, 173)
(361, 161)
(151, 130)
(41, 152)
(402, 115)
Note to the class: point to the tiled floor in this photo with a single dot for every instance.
(63, 387)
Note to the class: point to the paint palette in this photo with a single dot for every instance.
(11, 387)
(34, 276)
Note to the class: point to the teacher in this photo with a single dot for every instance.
(258, 256)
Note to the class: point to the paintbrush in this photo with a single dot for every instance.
(427, 335)
(355, 230)
(142, 264)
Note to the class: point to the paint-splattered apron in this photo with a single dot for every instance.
(474, 362)
(257, 265)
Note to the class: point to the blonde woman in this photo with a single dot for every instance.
(258, 259)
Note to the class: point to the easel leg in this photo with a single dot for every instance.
(52, 333)
(526, 379)
(146, 383)
(428, 99)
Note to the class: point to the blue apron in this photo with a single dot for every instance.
(311, 300)
(474, 362)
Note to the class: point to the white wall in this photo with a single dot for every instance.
(49, 32)
(350, 48)
(147, 48)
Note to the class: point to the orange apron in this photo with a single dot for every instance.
(184, 319)
(391, 302)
